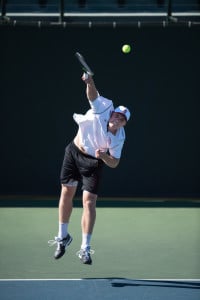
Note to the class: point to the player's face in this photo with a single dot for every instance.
(117, 120)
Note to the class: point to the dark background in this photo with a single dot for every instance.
(41, 88)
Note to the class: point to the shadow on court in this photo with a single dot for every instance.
(98, 289)
(157, 283)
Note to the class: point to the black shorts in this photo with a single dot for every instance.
(81, 167)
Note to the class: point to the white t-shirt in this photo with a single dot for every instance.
(93, 129)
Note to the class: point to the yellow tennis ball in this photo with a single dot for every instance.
(126, 49)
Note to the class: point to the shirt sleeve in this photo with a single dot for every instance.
(100, 105)
(117, 150)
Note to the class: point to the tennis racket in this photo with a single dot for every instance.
(83, 63)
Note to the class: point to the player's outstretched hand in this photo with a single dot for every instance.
(86, 78)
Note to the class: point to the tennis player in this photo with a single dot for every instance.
(99, 140)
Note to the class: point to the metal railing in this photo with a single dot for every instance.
(100, 13)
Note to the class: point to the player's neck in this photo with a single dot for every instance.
(112, 130)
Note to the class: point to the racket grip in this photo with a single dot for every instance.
(85, 76)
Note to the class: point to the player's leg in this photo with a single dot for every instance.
(87, 224)
(65, 204)
(90, 170)
(89, 212)
(65, 209)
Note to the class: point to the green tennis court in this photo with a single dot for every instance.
(144, 249)
(151, 242)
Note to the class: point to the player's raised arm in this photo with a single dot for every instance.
(91, 90)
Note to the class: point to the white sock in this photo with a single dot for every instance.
(63, 230)
(86, 238)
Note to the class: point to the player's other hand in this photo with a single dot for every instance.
(100, 154)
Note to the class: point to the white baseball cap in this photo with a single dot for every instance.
(124, 111)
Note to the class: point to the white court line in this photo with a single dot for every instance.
(103, 279)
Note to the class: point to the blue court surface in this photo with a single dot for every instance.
(98, 289)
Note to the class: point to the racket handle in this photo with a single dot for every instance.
(85, 76)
